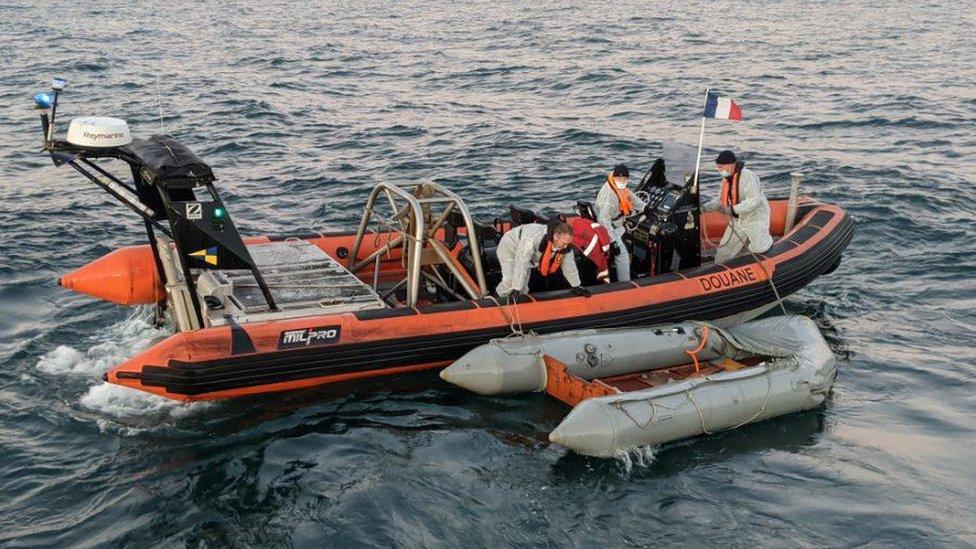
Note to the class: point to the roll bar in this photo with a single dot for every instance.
(416, 229)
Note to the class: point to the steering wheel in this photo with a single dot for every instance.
(643, 196)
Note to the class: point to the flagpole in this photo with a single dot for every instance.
(701, 140)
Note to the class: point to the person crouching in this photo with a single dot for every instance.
(545, 249)
(592, 241)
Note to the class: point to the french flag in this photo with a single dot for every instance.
(722, 108)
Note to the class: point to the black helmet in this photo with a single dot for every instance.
(621, 170)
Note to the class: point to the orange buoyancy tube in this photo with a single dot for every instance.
(730, 190)
(623, 198)
(551, 261)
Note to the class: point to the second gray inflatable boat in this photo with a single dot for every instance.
(644, 386)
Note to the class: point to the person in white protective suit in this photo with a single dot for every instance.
(614, 203)
(548, 249)
(741, 200)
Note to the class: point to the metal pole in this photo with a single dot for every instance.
(395, 287)
(376, 273)
(54, 110)
(123, 195)
(102, 171)
(795, 179)
(361, 231)
(45, 125)
(440, 219)
(413, 260)
(701, 140)
(445, 257)
(442, 285)
(375, 254)
(472, 234)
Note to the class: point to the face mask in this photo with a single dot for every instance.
(724, 173)
(620, 183)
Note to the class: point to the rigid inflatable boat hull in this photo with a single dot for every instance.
(246, 359)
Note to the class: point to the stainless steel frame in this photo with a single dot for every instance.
(411, 209)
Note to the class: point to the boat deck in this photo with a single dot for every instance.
(303, 279)
(571, 389)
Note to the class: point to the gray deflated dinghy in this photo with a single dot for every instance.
(786, 366)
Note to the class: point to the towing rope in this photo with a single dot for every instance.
(514, 322)
(755, 258)
(769, 389)
(701, 416)
(650, 420)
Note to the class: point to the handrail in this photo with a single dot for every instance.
(413, 258)
(472, 238)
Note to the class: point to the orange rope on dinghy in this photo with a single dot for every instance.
(694, 354)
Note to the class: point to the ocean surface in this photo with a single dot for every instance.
(302, 107)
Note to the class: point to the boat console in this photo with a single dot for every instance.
(668, 225)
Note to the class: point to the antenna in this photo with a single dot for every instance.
(57, 85)
(159, 100)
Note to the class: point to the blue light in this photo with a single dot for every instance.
(42, 100)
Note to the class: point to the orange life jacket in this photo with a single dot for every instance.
(623, 198)
(551, 261)
(730, 189)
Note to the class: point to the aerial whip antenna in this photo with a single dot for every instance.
(159, 100)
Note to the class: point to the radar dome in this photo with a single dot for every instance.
(98, 132)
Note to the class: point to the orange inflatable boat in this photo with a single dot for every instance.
(409, 289)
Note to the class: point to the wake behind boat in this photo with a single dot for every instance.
(409, 289)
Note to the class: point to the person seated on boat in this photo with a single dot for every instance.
(742, 200)
(593, 242)
(614, 203)
(539, 252)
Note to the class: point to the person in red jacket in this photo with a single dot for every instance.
(593, 241)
